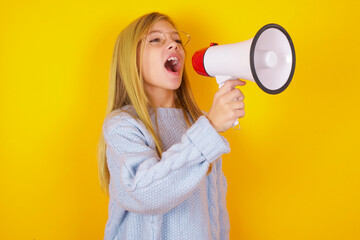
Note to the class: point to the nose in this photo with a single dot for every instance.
(172, 44)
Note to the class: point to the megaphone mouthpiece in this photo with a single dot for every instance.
(198, 62)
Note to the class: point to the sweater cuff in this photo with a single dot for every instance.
(209, 142)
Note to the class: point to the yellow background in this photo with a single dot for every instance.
(293, 170)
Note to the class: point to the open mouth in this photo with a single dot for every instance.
(172, 64)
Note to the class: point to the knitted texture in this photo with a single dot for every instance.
(180, 196)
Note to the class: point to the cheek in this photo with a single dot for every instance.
(151, 65)
(145, 66)
(182, 52)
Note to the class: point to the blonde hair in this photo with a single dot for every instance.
(126, 86)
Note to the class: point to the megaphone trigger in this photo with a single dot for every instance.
(236, 123)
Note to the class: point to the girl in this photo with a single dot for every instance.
(159, 156)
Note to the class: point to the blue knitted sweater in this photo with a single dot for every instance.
(180, 196)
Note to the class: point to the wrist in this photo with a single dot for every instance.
(212, 123)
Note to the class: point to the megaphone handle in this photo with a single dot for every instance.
(221, 83)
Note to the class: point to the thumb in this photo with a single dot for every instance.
(241, 83)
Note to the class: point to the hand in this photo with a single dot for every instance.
(228, 105)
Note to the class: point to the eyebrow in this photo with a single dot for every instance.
(162, 31)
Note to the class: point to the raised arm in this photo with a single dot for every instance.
(142, 182)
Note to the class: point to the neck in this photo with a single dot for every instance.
(163, 99)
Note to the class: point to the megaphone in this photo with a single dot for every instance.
(267, 59)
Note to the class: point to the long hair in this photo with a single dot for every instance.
(126, 86)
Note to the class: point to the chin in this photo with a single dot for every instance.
(174, 81)
(177, 84)
(173, 86)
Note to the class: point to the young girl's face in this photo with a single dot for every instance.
(162, 59)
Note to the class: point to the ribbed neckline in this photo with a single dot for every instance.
(162, 112)
(170, 113)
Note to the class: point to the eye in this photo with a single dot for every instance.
(178, 41)
(155, 40)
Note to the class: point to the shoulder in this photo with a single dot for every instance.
(122, 124)
(126, 115)
(118, 118)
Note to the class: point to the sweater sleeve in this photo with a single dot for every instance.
(142, 182)
(223, 213)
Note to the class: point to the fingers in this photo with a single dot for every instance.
(227, 106)
(237, 105)
(232, 99)
(229, 85)
(233, 106)
(239, 113)
(235, 82)
(234, 94)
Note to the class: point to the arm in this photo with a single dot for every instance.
(143, 183)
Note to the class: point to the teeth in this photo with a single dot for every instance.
(174, 59)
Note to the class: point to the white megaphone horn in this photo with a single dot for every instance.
(267, 59)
